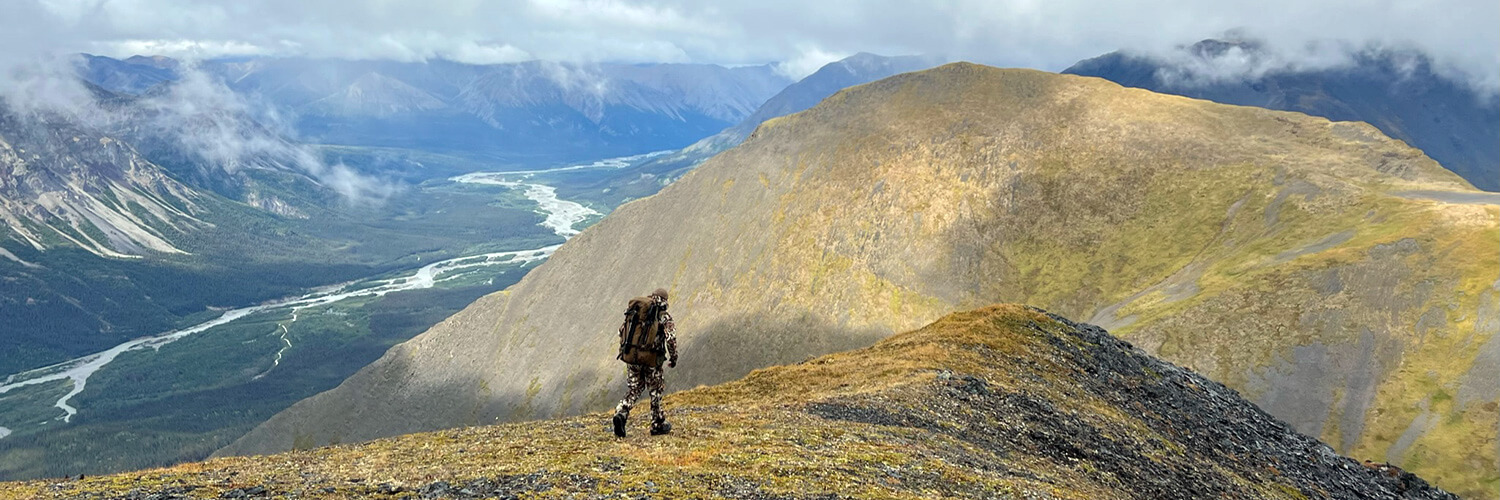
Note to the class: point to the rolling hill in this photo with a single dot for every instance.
(1340, 279)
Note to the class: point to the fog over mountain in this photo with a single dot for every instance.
(799, 36)
(318, 59)
(1398, 92)
(181, 111)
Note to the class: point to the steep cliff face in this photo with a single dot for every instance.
(1003, 401)
(1314, 265)
(65, 184)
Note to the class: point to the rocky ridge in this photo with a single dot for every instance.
(1004, 401)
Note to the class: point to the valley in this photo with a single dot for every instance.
(259, 352)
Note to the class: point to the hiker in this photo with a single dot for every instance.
(645, 341)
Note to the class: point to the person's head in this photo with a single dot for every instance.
(660, 295)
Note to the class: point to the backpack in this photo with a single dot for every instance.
(641, 339)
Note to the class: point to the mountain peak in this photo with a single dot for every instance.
(1211, 48)
(159, 62)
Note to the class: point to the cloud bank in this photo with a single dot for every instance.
(197, 115)
(1460, 35)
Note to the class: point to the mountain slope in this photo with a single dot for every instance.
(64, 184)
(375, 95)
(833, 77)
(1398, 93)
(132, 75)
(1273, 251)
(1000, 401)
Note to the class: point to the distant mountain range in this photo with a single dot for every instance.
(1395, 91)
(122, 175)
(132, 75)
(854, 70)
(544, 111)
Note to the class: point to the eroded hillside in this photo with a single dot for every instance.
(1004, 401)
(1280, 253)
(63, 185)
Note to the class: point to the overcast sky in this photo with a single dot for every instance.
(1463, 36)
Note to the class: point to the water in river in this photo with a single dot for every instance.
(562, 216)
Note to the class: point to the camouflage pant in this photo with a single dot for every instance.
(640, 378)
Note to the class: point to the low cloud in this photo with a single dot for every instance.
(207, 119)
(197, 114)
(1459, 35)
(1239, 58)
(807, 61)
(1242, 57)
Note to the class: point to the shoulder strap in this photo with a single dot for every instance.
(628, 330)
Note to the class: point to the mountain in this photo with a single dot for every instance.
(1340, 279)
(128, 223)
(132, 75)
(100, 244)
(202, 135)
(1001, 401)
(375, 95)
(535, 110)
(835, 76)
(1396, 91)
(62, 183)
(853, 70)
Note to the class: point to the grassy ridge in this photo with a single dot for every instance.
(1252, 245)
(1000, 401)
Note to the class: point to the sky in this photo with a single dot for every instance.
(39, 40)
(1462, 36)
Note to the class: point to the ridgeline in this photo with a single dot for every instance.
(1281, 254)
(1001, 402)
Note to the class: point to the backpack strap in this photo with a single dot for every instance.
(627, 330)
(659, 344)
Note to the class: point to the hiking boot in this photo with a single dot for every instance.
(659, 428)
(619, 425)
